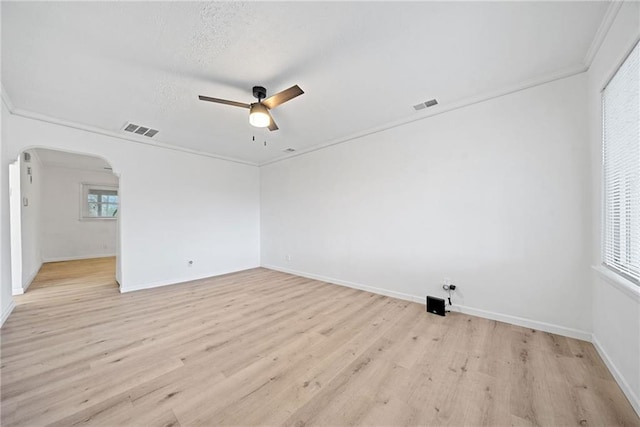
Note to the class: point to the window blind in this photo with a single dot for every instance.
(621, 166)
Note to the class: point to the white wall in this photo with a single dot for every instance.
(493, 196)
(175, 206)
(31, 190)
(64, 235)
(15, 217)
(6, 300)
(616, 307)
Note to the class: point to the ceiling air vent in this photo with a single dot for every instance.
(289, 150)
(140, 130)
(423, 105)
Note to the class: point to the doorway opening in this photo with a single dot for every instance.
(64, 210)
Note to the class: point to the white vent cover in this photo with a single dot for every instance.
(140, 130)
(423, 105)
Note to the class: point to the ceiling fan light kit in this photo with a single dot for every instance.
(259, 115)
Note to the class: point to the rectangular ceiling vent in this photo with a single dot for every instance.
(140, 130)
(423, 105)
(289, 150)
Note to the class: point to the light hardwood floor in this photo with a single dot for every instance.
(261, 347)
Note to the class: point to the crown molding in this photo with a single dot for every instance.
(99, 131)
(94, 129)
(605, 25)
(104, 132)
(596, 43)
(441, 109)
(603, 30)
(6, 99)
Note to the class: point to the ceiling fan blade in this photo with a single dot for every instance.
(281, 97)
(224, 101)
(272, 123)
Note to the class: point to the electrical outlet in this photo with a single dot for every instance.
(288, 258)
(447, 284)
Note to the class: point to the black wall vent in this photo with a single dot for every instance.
(140, 130)
(426, 104)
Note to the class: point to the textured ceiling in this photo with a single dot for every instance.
(361, 64)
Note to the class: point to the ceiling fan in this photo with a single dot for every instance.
(259, 115)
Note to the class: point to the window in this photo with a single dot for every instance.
(621, 167)
(99, 201)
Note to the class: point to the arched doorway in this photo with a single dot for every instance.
(63, 208)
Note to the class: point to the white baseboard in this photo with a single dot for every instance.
(626, 389)
(142, 286)
(75, 258)
(514, 320)
(29, 281)
(7, 312)
(527, 323)
(372, 289)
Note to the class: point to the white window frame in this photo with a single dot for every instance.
(624, 270)
(84, 202)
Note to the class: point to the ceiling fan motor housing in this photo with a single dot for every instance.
(259, 92)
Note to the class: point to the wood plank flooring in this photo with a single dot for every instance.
(261, 347)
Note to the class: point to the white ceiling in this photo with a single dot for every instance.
(361, 64)
(71, 160)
